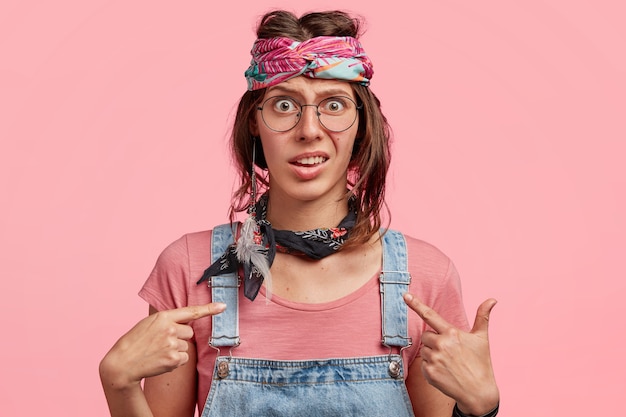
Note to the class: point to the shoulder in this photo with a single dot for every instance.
(419, 250)
(423, 249)
(429, 264)
(195, 247)
(181, 246)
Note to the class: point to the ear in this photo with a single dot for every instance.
(253, 127)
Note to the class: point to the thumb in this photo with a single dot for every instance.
(481, 322)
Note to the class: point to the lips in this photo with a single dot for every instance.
(308, 166)
(311, 160)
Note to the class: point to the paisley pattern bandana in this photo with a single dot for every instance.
(315, 244)
(275, 60)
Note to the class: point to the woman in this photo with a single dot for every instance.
(333, 335)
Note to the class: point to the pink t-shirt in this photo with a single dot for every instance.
(279, 329)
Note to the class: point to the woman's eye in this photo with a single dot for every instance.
(284, 105)
(334, 105)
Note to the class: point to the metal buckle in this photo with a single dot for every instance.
(210, 283)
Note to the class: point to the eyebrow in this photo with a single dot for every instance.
(329, 92)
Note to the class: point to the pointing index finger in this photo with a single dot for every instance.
(190, 313)
(430, 316)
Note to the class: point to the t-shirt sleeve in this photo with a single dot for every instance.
(436, 282)
(448, 300)
(167, 286)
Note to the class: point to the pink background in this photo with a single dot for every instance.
(510, 138)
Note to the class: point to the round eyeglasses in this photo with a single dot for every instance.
(282, 113)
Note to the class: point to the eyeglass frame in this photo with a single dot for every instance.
(317, 112)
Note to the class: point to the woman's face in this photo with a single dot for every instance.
(308, 162)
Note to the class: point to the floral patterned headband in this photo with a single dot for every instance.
(275, 60)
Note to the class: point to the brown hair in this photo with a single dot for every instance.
(370, 156)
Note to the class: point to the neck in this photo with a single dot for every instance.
(297, 215)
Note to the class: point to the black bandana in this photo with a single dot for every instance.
(315, 244)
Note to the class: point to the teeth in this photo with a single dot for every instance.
(311, 160)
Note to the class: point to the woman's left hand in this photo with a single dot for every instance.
(456, 362)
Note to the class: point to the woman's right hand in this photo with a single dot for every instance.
(155, 345)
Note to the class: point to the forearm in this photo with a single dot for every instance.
(124, 399)
(427, 400)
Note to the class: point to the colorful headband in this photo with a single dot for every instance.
(275, 60)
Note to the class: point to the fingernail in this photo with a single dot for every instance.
(408, 297)
(220, 306)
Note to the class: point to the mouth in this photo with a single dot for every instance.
(310, 161)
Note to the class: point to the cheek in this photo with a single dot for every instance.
(271, 151)
(344, 143)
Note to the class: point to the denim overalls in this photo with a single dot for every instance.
(359, 386)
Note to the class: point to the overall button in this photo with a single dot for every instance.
(222, 369)
(394, 369)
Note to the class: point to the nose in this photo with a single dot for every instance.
(309, 126)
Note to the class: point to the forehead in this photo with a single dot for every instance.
(311, 89)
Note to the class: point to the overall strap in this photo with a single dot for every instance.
(394, 282)
(224, 289)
